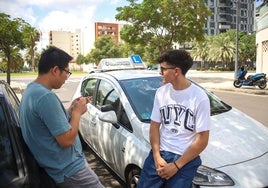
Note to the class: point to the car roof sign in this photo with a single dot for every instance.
(136, 59)
(133, 62)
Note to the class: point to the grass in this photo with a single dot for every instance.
(35, 74)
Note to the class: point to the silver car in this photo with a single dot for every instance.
(116, 127)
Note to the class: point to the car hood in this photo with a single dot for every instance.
(234, 138)
(238, 147)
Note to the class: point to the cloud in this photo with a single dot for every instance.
(66, 15)
(68, 20)
(57, 5)
(61, 12)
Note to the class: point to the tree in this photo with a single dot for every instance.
(222, 49)
(105, 47)
(80, 59)
(201, 50)
(160, 23)
(12, 38)
(129, 49)
(32, 61)
(247, 48)
(31, 36)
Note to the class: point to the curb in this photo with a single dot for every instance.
(253, 90)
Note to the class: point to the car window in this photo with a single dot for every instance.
(104, 91)
(8, 167)
(107, 95)
(14, 102)
(88, 87)
(217, 106)
(140, 93)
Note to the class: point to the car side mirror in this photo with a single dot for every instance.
(109, 117)
(106, 108)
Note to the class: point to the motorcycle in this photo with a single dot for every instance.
(258, 79)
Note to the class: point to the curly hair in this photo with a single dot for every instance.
(177, 58)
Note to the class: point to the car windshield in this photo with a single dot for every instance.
(141, 92)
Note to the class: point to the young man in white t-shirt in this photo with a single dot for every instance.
(179, 129)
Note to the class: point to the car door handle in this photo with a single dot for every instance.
(93, 122)
(123, 147)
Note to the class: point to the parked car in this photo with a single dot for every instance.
(116, 127)
(18, 168)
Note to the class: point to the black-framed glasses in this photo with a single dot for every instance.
(162, 69)
(68, 72)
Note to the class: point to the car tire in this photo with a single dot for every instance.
(133, 176)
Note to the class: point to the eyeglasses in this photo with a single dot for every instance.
(162, 69)
(68, 73)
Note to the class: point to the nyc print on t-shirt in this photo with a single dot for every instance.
(176, 114)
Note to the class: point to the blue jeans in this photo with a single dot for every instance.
(182, 179)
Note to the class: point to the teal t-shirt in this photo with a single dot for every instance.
(42, 117)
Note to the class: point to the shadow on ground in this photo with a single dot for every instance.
(106, 176)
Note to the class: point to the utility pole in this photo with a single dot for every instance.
(236, 37)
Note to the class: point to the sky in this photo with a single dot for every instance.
(66, 15)
(62, 14)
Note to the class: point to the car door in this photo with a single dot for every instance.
(110, 135)
(88, 128)
(8, 165)
(18, 168)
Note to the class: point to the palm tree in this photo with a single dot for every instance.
(200, 50)
(34, 36)
(222, 49)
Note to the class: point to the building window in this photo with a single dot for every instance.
(212, 31)
(265, 46)
(212, 24)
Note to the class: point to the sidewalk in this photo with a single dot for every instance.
(222, 81)
(208, 79)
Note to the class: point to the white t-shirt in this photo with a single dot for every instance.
(182, 114)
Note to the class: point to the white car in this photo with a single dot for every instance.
(116, 127)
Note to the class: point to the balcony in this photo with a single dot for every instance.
(222, 26)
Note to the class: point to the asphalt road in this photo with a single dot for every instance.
(254, 106)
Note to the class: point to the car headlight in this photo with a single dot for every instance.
(210, 177)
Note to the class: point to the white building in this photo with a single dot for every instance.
(262, 40)
(68, 41)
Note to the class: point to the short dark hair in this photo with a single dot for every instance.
(177, 58)
(52, 57)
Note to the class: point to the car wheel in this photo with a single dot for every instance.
(237, 83)
(133, 177)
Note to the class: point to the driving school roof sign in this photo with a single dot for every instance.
(136, 59)
(133, 62)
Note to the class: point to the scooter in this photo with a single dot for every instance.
(258, 79)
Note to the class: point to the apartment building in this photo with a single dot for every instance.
(225, 14)
(70, 42)
(262, 39)
(102, 28)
